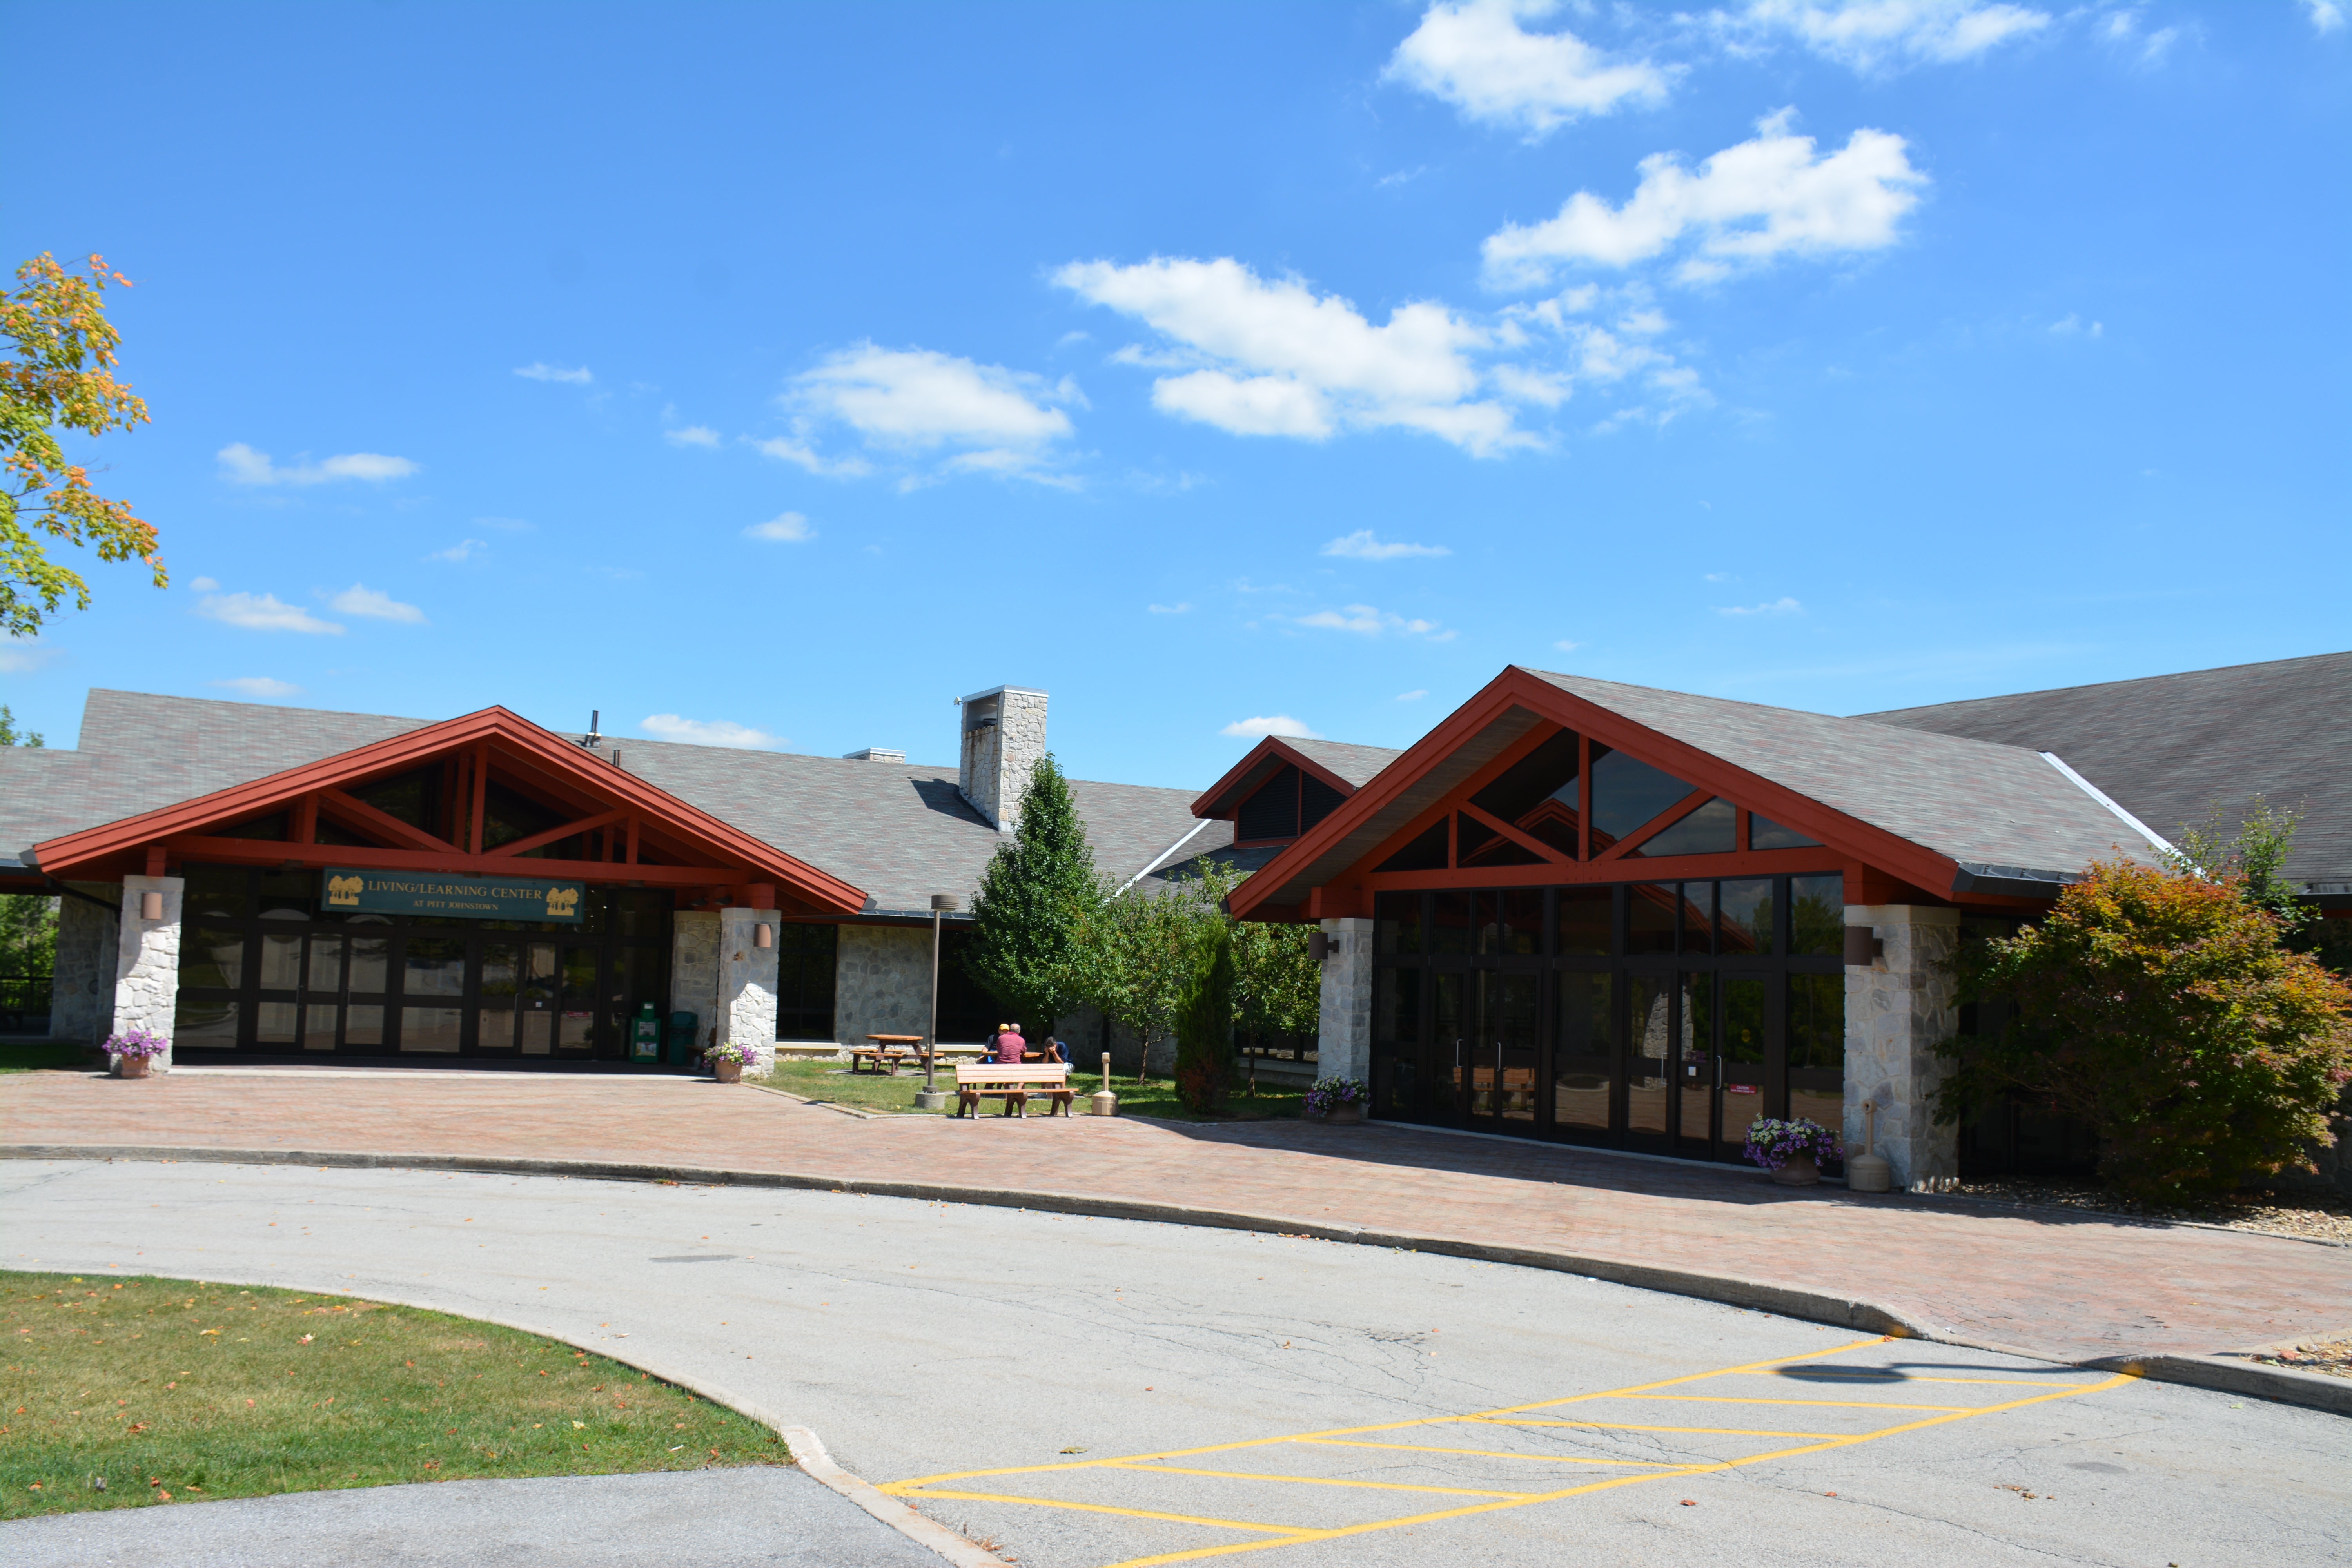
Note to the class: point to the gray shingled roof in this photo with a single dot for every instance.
(900, 831)
(1980, 804)
(1355, 764)
(2168, 748)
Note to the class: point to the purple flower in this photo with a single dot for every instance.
(141, 1043)
(1772, 1143)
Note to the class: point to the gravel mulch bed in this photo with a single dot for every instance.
(2313, 1217)
(2333, 1357)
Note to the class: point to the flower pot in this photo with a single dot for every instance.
(134, 1067)
(1347, 1115)
(727, 1071)
(1801, 1170)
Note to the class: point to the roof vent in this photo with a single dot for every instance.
(875, 754)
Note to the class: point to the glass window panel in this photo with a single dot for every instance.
(435, 1031)
(274, 1023)
(326, 965)
(1470, 836)
(292, 893)
(1396, 1005)
(363, 1025)
(218, 890)
(1650, 917)
(1450, 923)
(1817, 1022)
(1697, 916)
(413, 796)
(635, 975)
(500, 965)
(1763, 835)
(214, 959)
(1538, 793)
(577, 1027)
(1585, 915)
(1426, 853)
(1317, 800)
(1627, 793)
(1399, 914)
(371, 961)
(281, 961)
(1585, 1060)
(1507, 1044)
(1817, 915)
(1747, 929)
(1449, 1039)
(1824, 1105)
(1694, 1072)
(1482, 846)
(535, 1032)
(1743, 1055)
(1511, 921)
(271, 828)
(432, 966)
(319, 1025)
(204, 1026)
(640, 914)
(1651, 1045)
(1271, 811)
(1706, 831)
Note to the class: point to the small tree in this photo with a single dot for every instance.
(1141, 947)
(28, 921)
(59, 370)
(2162, 1008)
(2252, 855)
(1204, 1025)
(1033, 902)
(1278, 986)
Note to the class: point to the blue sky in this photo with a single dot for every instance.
(776, 373)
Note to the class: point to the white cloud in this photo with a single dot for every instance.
(22, 657)
(1361, 545)
(2326, 16)
(986, 418)
(462, 550)
(1281, 724)
(693, 435)
(1170, 609)
(1276, 359)
(785, 448)
(204, 584)
(242, 464)
(259, 686)
(1775, 607)
(1475, 55)
(2072, 325)
(1721, 577)
(1881, 35)
(1748, 204)
(1564, 646)
(1412, 696)
(263, 613)
(578, 376)
(786, 526)
(375, 604)
(1366, 621)
(707, 732)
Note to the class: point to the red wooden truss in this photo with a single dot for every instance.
(1332, 870)
(623, 829)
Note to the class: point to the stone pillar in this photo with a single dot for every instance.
(1897, 1010)
(882, 983)
(1343, 1039)
(746, 986)
(147, 962)
(694, 975)
(81, 992)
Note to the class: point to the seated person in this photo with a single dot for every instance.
(1054, 1051)
(1010, 1046)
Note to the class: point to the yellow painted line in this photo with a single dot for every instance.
(896, 1488)
(1296, 1529)
(1612, 1482)
(1319, 1481)
(1837, 1403)
(1630, 1426)
(1488, 1453)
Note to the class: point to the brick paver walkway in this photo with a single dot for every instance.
(2069, 1286)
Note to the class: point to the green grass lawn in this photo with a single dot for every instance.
(871, 1091)
(174, 1391)
(32, 1055)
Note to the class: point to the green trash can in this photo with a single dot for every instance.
(644, 1035)
(682, 1044)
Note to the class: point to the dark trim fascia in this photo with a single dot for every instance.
(2011, 882)
(63, 891)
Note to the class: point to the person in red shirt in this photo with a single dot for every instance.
(1010, 1046)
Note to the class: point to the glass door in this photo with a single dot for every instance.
(1501, 1056)
(1650, 1060)
(535, 999)
(1452, 1025)
(1740, 1091)
(497, 974)
(1584, 1055)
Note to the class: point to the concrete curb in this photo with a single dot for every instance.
(2262, 1382)
(810, 1455)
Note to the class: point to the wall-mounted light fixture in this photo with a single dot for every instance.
(1862, 947)
(763, 935)
(151, 906)
(1319, 946)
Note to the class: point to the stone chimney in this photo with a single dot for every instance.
(1003, 736)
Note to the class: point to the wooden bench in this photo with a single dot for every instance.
(885, 1052)
(976, 1081)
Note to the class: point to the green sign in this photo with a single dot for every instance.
(467, 898)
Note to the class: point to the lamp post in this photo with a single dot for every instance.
(931, 1097)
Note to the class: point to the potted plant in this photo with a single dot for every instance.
(727, 1061)
(1792, 1150)
(135, 1051)
(1336, 1100)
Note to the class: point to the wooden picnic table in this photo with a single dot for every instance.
(886, 1051)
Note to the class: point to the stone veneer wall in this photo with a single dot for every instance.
(746, 987)
(694, 974)
(1343, 1039)
(881, 982)
(1897, 1011)
(81, 995)
(996, 763)
(147, 963)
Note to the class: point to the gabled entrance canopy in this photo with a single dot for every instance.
(1502, 793)
(489, 793)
